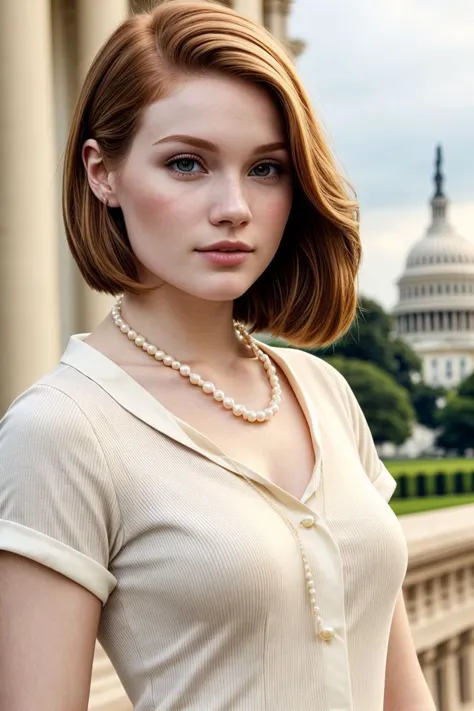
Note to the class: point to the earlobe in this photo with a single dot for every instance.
(97, 174)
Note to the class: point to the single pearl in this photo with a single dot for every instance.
(145, 346)
(276, 390)
(219, 395)
(159, 355)
(185, 371)
(228, 403)
(252, 416)
(276, 399)
(125, 328)
(238, 410)
(176, 365)
(119, 321)
(132, 334)
(194, 378)
(208, 387)
(168, 360)
(245, 414)
(151, 350)
(274, 382)
(261, 417)
(139, 341)
(268, 414)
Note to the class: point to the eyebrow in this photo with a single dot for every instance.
(208, 146)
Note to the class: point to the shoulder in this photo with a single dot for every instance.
(48, 411)
(307, 365)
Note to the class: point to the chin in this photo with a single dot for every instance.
(227, 290)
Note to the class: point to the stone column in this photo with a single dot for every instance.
(428, 661)
(276, 18)
(436, 320)
(251, 8)
(95, 23)
(469, 652)
(451, 690)
(29, 291)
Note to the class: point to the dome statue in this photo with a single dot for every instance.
(435, 309)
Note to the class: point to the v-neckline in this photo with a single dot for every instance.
(135, 398)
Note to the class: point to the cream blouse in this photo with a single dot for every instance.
(205, 606)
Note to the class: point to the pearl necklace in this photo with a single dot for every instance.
(322, 631)
(195, 379)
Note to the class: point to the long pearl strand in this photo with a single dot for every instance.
(195, 379)
(321, 630)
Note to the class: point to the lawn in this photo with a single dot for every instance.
(408, 506)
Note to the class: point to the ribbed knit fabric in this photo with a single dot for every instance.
(204, 599)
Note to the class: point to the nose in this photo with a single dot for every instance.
(230, 205)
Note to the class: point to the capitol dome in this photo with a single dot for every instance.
(435, 310)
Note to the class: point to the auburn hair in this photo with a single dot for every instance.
(308, 294)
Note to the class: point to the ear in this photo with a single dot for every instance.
(101, 181)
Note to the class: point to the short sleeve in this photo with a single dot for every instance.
(373, 466)
(57, 501)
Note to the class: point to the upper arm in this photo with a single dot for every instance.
(59, 527)
(48, 628)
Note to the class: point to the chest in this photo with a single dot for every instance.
(282, 450)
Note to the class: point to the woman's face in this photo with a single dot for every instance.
(208, 165)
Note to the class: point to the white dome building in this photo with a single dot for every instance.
(435, 310)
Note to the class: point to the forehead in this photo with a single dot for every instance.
(215, 107)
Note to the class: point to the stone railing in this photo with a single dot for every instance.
(439, 595)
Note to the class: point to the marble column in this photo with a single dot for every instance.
(451, 689)
(251, 8)
(29, 284)
(428, 661)
(95, 23)
(276, 18)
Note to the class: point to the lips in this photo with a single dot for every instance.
(226, 246)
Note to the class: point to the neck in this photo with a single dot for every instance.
(192, 330)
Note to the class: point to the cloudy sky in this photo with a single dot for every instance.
(390, 80)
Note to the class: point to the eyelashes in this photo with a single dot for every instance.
(186, 158)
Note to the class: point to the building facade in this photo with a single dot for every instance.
(45, 49)
(435, 309)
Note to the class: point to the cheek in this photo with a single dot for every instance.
(276, 212)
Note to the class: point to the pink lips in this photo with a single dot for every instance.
(226, 253)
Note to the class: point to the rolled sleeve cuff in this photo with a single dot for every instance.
(16, 538)
(385, 483)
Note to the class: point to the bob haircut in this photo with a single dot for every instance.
(308, 294)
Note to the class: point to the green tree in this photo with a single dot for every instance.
(424, 399)
(407, 370)
(385, 404)
(466, 388)
(457, 424)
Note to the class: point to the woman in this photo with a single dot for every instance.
(213, 508)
